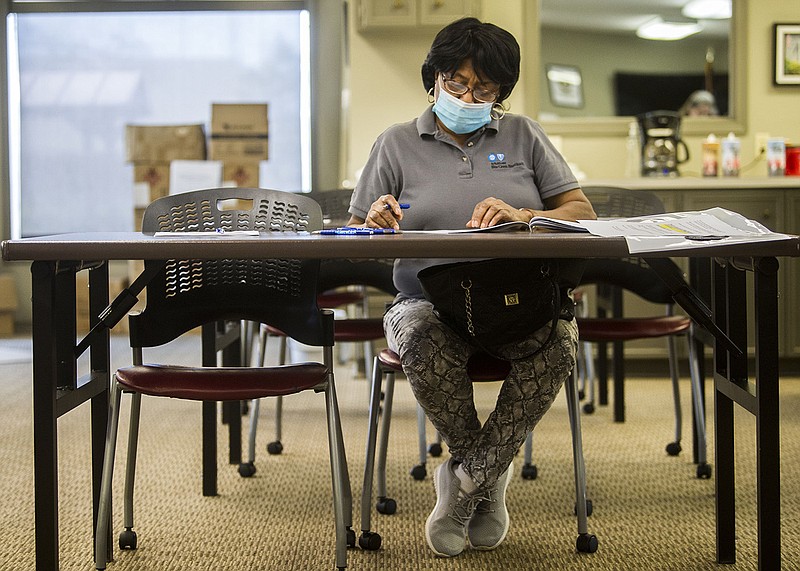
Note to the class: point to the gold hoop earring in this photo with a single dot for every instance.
(498, 111)
(431, 98)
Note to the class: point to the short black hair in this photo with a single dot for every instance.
(494, 52)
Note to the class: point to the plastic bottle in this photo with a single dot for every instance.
(710, 156)
(730, 155)
(633, 165)
(776, 157)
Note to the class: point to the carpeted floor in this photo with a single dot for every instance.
(650, 512)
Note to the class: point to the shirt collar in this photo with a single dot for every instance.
(426, 123)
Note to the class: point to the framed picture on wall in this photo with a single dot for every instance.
(565, 84)
(787, 54)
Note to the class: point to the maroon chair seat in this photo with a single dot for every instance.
(600, 329)
(221, 384)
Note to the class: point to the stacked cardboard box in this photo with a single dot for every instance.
(151, 148)
(8, 304)
(240, 139)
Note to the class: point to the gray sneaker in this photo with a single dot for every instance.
(445, 528)
(489, 524)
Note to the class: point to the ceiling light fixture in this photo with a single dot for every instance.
(708, 9)
(658, 29)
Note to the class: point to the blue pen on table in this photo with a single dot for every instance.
(355, 231)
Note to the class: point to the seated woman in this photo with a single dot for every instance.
(465, 161)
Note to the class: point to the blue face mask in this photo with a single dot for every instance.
(459, 116)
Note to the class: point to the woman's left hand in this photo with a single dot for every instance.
(491, 211)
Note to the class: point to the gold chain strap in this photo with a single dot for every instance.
(468, 305)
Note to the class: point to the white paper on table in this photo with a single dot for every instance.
(659, 232)
(187, 175)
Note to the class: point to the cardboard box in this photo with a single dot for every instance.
(239, 131)
(164, 143)
(151, 181)
(8, 293)
(6, 324)
(151, 148)
(239, 119)
(244, 173)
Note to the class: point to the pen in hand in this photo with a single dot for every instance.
(402, 205)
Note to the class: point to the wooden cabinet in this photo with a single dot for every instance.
(407, 14)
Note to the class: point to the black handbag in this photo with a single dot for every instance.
(494, 302)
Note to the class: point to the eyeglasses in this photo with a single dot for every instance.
(479, 93)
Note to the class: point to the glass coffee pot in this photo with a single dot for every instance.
(662, 147)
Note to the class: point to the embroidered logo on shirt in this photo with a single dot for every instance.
(498, 161)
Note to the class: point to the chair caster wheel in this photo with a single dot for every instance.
(586, 543)
(674, 448)
(127, 539)
(386, 506)
(351, 537)
(275, 447)
(435, 449)
(369, 541)
(529, 472)
(588, 408)
(589, 508)
(704, 471)
(419, 472)
(247, 469)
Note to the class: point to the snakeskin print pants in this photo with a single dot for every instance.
(434, 359)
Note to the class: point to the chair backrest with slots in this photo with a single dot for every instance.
(335, 205)
(629, 273)
(189, 293)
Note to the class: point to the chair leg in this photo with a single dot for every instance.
(103, 553)
(674, 447)
(370, 540)
(419, 471)
(276, 446)
(529, 469)
(127, 538)
(591, 376)
(247, 469)
(703, 468)
(342, 498)
(586, 542)
(385, 504)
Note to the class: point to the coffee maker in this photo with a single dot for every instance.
(660, 135)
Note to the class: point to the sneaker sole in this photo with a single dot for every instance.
(508, 519)
(439, 499)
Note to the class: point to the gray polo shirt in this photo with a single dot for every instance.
(511, 159)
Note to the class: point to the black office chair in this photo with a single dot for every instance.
(613, 276)
(481, 367)
(185, 294)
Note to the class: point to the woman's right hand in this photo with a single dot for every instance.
(385, 212)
